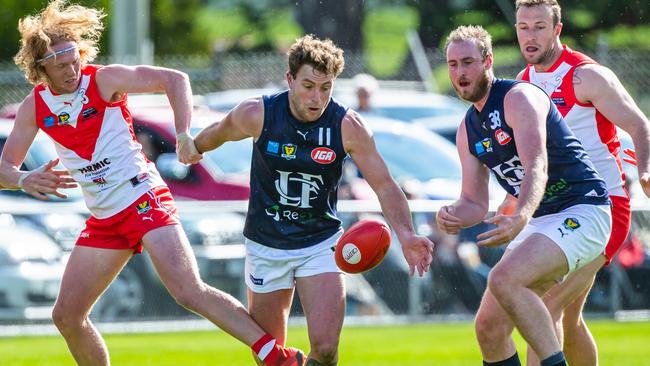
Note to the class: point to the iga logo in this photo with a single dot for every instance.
(323, 155)
(502, 137)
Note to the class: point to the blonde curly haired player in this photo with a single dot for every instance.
(83, 109)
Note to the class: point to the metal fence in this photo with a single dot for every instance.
(235, 71)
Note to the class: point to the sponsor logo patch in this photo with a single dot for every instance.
(483, 147)
(323, 155)
(273, 147)
(49, 121)
(256, 281)
(502, 137)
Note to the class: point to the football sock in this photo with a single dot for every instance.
(556, 359)
(511, 361)
(264, 347)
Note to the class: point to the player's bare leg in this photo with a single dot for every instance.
(579, 344)
(88, 273)
(565, 302)
(493, 329)
(518, 281)
(271, 311)
(174, 260)
(323, 301)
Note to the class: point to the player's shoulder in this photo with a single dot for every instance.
(592, 74)
(354, 123)
(523, 92)
(249, 112)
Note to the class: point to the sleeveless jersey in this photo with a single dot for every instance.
(295, 173)
(572, 179)
(95, 142)
(596, 133)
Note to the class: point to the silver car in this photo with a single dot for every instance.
(31, 268)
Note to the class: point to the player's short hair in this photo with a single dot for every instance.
(553, 4)
(56, 23)
(322, 55)
(472, 33)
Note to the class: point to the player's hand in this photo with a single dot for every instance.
(644, 180)
(508, 227)
(446, 220)
(508, 206)
(418, 252)
(186, 150)
(47, 180)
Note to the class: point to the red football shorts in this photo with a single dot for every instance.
(125, 229)
(621, 220)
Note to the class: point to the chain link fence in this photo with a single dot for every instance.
(233, 71)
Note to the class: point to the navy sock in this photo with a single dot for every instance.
(511, 361)
(556, 359)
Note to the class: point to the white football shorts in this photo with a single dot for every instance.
(269, 269)
(581, 231)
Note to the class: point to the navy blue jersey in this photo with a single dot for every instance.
(295, 173)
(572, 178)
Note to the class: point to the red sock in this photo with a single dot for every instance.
(265, 349)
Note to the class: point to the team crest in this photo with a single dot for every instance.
(289, 151)
(64, 119)
(143, 207)
(483, 147)
(571, 223)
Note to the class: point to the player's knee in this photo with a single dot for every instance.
(65, 319)
(188, 296)
(325, 351)
(500, 282)
(489, 330)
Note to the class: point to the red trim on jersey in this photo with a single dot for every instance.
(609, 137)
(82, 138)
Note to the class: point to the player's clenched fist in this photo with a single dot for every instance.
(186, 150)
(446, 220)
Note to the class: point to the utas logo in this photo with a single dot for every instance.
(323, 155)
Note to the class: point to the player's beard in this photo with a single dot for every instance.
(541, 59)
(479, 90)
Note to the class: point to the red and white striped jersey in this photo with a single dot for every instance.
(95, 142)
(596, 133)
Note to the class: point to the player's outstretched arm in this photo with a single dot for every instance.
(472, 205)
(599, 86)
(245, 120)
(115, 80)
(38, 182)
(358, 142)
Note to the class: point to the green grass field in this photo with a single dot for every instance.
(424, 344)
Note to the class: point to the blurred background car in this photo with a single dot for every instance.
(31, 268)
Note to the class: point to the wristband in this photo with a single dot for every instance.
(183, 136)
(21, 179)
